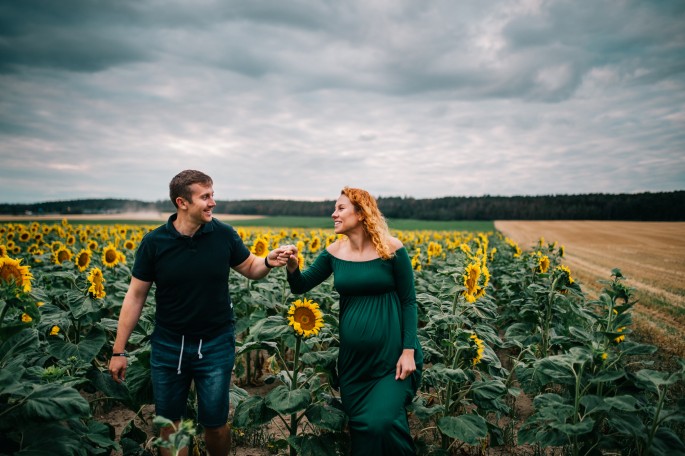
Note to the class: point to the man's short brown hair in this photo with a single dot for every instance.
(180, 184)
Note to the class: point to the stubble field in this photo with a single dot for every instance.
(650, 254)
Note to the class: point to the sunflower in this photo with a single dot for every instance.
(54, 331)
(479, 347)
(300, 260)
(92, 245)
(471, 275)
(564, 274)
(11, 271)
(260, 247)
(24, 236)
(315, 245)
(26, 318)
(515, 247)
(543, 263)
(110, 256)
(130, 244)
(96, 289)
(305, 317)
(3, 250)
(71, 239)
(434, 249)
(620, 338)
(61, 255)
(416, 260)
(83, 259)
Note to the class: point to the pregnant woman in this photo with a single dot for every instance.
(380, 359)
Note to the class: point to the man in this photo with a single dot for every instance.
(189, 259)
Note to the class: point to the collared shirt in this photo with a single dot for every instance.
(191, 275)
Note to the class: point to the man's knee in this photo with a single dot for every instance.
(218, 440)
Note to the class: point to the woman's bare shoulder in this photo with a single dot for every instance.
(334, 247)
(394, 244)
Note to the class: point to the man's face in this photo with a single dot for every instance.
(200, 208)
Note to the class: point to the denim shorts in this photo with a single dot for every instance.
(178, 360)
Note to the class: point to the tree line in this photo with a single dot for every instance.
(660, 206)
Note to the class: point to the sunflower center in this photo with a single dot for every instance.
(10, 273)
(305, 317)
(63, 256)
(83, 259)
(110, 256)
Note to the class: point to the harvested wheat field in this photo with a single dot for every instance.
(651, 255)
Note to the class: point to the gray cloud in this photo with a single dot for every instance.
(297, 99)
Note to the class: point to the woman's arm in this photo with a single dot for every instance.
(303, 281)
(404, 282)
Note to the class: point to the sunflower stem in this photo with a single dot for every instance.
(4, 311)
(293, 387)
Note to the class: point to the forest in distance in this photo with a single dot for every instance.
(647, 206)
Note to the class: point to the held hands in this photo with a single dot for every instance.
(291, 261)
(280, 256)
(405, 365)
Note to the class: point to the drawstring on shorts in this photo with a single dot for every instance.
(180, 355)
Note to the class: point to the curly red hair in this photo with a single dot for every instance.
(372, 219)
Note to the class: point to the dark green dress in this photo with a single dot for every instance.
(378, 319)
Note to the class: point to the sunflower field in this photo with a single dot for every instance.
(499, 326)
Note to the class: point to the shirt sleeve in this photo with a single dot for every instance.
(303, 281)
(404, 283)
(239, 252)
(144, 264)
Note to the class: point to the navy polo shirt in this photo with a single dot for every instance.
(191, 276)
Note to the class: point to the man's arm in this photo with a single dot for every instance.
(255, 268)
(128, 319)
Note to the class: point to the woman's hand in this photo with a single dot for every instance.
(280, 256)
(405, 365)
(292, 262)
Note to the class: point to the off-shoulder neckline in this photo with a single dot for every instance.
(362, 261)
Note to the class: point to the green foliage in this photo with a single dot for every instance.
(592, 392)
(594, 389)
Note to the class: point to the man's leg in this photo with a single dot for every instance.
(218, 441)
(164, 433)
(212, 383)
(170, 388)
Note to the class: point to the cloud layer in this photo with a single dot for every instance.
(297, 99)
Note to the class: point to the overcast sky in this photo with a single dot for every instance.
(296, 99)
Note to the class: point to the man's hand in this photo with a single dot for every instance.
(292, 263)
(117, 368)
(279, 257)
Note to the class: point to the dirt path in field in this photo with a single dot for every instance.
(650, 254)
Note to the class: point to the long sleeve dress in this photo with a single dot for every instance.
(378, 319)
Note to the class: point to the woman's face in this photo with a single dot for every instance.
(345, 218)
